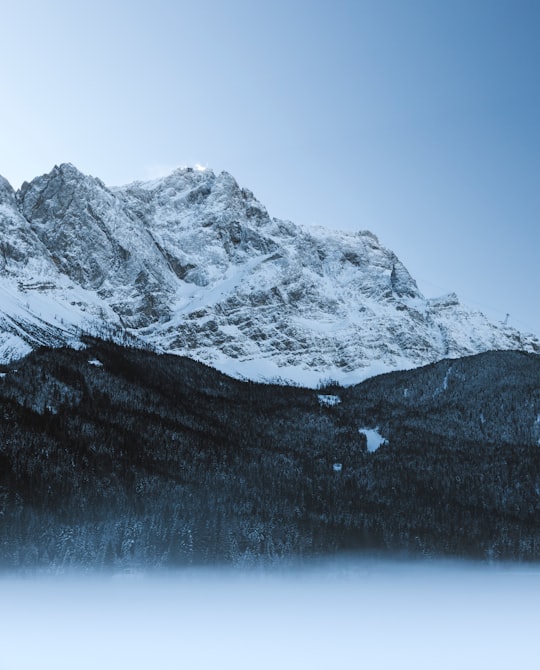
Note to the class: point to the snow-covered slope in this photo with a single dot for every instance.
(193, 264)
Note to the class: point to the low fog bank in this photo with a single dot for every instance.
(372, 614)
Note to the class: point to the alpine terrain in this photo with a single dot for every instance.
(193, 264)
(118, 450)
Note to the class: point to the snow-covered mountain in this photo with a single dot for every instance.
(193, 264)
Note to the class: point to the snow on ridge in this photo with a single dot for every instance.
(266, 371)
(181, 172)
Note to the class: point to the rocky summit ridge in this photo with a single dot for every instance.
(193, 264)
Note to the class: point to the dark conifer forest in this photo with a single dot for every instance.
(113, 457)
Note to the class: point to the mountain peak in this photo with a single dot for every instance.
(67, 172)
(67, 169)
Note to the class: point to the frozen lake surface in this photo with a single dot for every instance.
(365, 614)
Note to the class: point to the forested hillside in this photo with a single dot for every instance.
(118, 457)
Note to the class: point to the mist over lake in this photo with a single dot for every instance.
(346, 614)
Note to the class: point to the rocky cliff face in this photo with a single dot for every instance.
(193, 264)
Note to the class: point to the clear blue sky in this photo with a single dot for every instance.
(416, 119)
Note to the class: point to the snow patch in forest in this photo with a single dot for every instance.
(328, 400)
(446, 378)
(373, 437)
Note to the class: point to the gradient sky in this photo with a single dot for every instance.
(416, 119)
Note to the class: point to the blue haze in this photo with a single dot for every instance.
(374, 615)
(418, 120)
